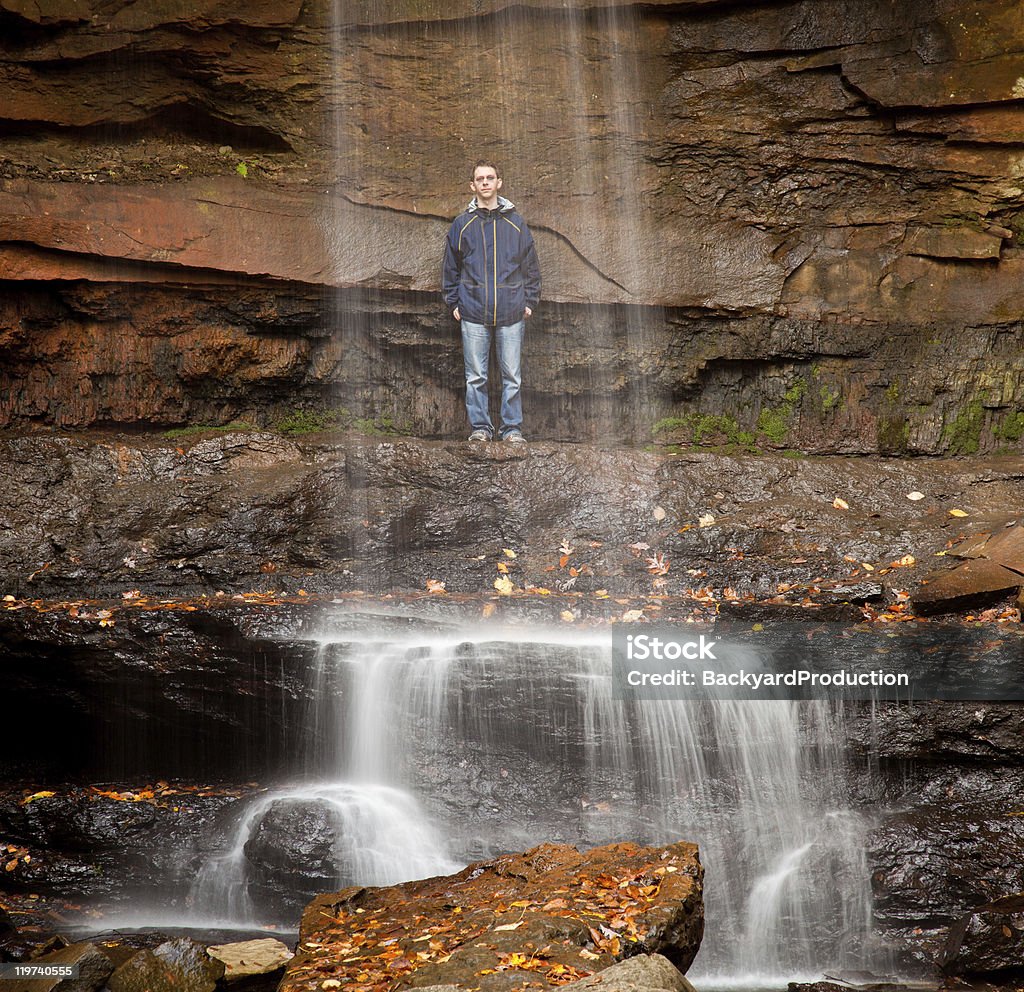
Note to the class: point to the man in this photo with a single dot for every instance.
(491, 283)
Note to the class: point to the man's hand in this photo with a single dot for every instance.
(528, 313)
(456, 314)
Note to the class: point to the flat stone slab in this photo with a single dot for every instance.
(251, 957)
(993, 565)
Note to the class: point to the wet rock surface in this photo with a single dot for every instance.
(541, 916)
(77, 844)
(242, 511)
(180, 965)
(294, 853)
(988, 941)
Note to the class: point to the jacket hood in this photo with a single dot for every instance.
(504, 206)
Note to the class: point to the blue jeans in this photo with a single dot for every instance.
(476, 350)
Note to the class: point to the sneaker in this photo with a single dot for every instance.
(480, 436)
(514, 437)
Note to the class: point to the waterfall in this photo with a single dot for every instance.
(498, 741)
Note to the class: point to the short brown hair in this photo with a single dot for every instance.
(485, 163)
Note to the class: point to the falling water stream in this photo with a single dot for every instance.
(435, 750)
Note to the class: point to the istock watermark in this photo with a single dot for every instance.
(824, 661)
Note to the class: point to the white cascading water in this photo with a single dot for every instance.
(499, 742)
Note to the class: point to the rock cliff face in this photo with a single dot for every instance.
(793, 224)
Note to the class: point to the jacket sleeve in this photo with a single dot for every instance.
(451, 269)
(531, 270)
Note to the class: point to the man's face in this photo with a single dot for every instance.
(485, 184)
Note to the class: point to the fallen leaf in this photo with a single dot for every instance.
(957, 513)
(905, 562)
(504, 585)
(510, 926)
(915, 495)
(435, 585)
(840, 504)
(631, 616)
(660, 513)
(502, 567)
(37, 795)
(568, 616)
(509, 553)
(706, 520)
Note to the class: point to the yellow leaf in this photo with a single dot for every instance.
(957, 513)
(504, 585)
(631, 616)
(37, 795)
(509, 553)
(915, 496)
(568, 616)
(840, 504)
(589, 955)
(867, 567)
(502, 567)
(510, 926)
(706, 520)
(905, 562)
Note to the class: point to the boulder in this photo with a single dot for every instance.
(545, 916)
(293, 853)
(180, 965)
(94, 968)
(639, 974)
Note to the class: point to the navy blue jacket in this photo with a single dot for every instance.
(490, 265)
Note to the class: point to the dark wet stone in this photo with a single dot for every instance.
(294, 852)
(180, 965)
(935, 863)
(989, 941)
(93, 964)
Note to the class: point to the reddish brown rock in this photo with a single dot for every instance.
(995, 564)
(545, 916)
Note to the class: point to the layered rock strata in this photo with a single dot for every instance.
(744, 223)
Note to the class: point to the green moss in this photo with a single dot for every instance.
(893, 435)
(307, 421)
(194, 429)
(1011, 430)
(703, 429)
(963, 435)
(795, 393)
(792, 453)
(892, 394)
(382, 426)
(773, 423)
(830, 399)
(669, 425)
